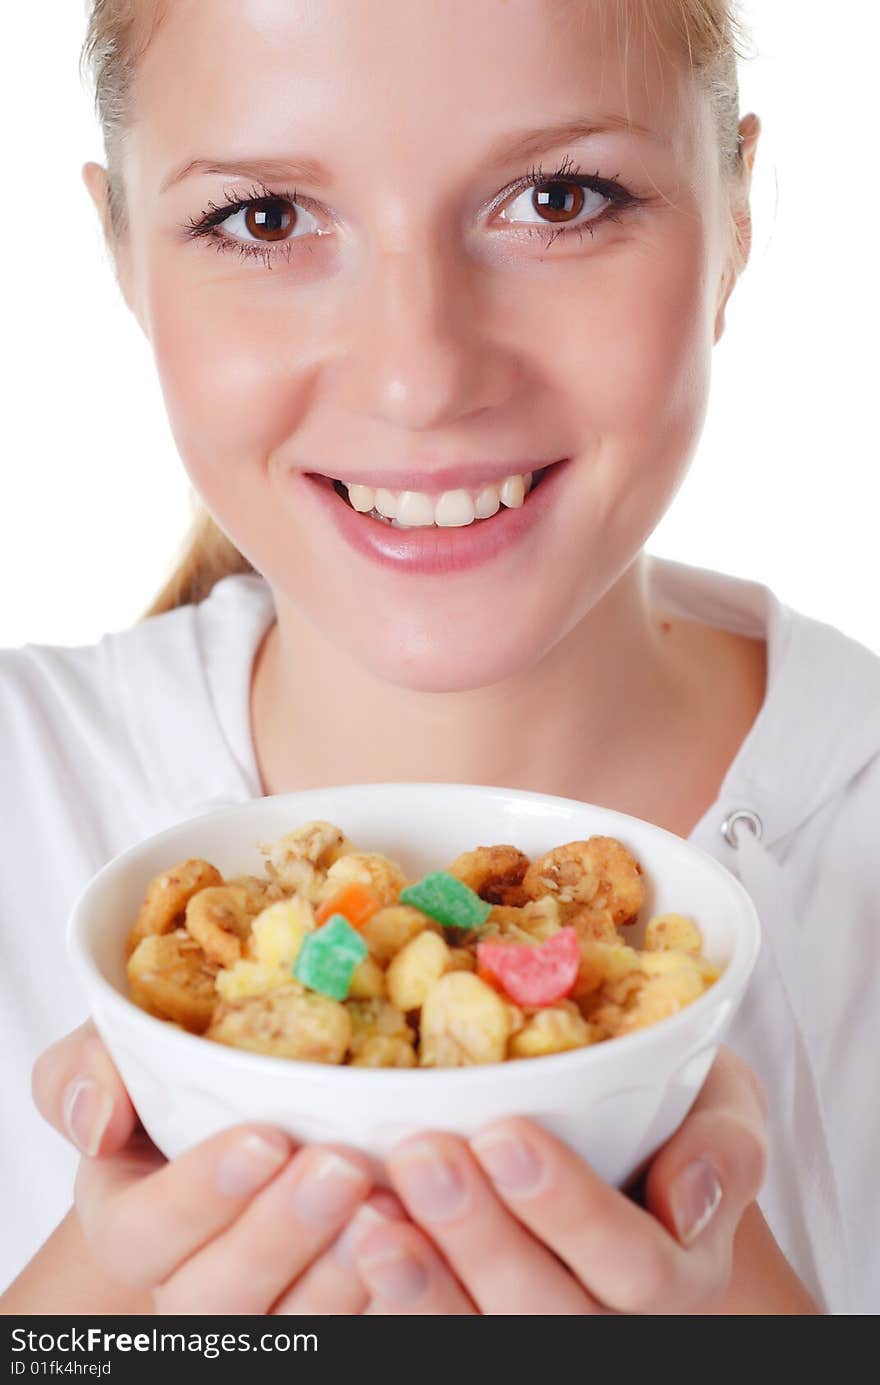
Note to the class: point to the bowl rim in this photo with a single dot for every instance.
(730, 985)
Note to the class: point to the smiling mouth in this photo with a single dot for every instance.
(452, 509)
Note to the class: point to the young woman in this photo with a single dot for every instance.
(433, 292)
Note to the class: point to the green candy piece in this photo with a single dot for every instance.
(446, 899)
(328, 957)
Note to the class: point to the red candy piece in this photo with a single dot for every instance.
(533, 975)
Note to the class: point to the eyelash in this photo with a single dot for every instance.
(619, 197)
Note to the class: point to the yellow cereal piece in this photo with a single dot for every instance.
(464, 1021)
(247, 978)
(279, 930)
(551, 1030)
(669, 963)
(663, 985)
(414, 970)
(367, 981)
(380, 1051)
(667, 931)
(287, 1023)
(601, 963)
(661, 997)
(391, 928)
(366, 868)
(372, 1019)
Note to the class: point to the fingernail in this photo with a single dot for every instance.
(509, 1162)
(345, 1246)
(430, 1184)
(86, 1110)
(394, 1275)
(329, 1188)
(694, 1196)
(250, 1163)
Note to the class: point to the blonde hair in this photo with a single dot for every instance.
(119, 34)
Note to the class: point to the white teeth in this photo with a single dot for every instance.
(487, 502)
(513, 492)
(453, 509)
(415, 508)
(386, 504)
(362, 498)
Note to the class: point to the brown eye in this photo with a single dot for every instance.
(557, 201)
(270, 219)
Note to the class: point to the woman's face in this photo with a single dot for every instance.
(416, 305)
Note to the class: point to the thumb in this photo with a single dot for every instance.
(77, 1089)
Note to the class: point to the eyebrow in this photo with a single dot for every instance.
(522, 144)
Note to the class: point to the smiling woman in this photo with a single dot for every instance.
(433, 292)
(414, 321)
(266, 223)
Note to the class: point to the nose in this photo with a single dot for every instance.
(420, 352)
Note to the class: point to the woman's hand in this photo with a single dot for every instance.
(522, 1225)
(185, 1229)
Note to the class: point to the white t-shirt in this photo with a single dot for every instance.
(105, 744)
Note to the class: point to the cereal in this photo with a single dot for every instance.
(287, 1023)
(356, 902)
(333, 958)
(219, 919)
(367, 981)
(389, 929)
(328, 957)
(169, 976)
(673, 931)
(298, 862)
(278, 932)
(379, 874)
(444, 898)
(167, 898)
(495, 873)
(414, 970)
(381, 1052)
(552, 1030)
(376, 1019)
(464, 1021)
(533, 973)
(599, 872)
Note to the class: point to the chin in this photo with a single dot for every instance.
(447, 663)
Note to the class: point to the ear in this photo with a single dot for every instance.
(740, 217)
(95, 178)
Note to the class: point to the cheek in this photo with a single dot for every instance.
(638, 377)
(233, 387)
(644, 345)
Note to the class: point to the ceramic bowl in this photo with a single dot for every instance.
(615, 1102)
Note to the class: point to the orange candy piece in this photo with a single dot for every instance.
(355, 902)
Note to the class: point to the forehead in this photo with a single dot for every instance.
(345, 79)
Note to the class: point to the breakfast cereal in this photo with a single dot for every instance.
(334, 956)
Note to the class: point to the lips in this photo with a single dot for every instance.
(427, 548)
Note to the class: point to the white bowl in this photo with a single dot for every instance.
(614, 1102)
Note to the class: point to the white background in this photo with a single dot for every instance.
(784, 488)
